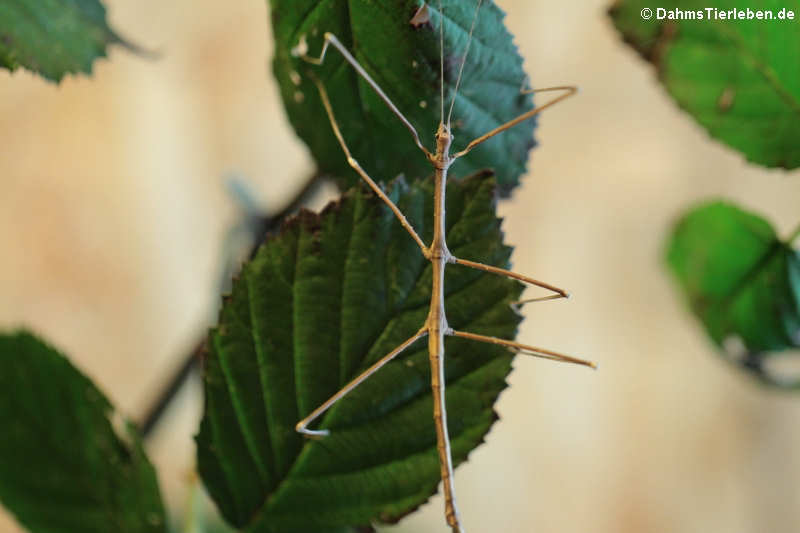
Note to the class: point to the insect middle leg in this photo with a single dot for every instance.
(567, 92)
(330, 39)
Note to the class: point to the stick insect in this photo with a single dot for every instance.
(435, 326)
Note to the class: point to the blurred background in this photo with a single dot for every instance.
(114, 211)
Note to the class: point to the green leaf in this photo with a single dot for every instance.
(320, 302)
(63, 466)
(738, 78)
(54, 37)
(740, 279)
(404, 61)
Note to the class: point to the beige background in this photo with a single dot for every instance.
(113, 210)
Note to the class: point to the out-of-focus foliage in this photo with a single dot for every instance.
(68, 463)
(54, 37)
(740, 280)
(738, 78)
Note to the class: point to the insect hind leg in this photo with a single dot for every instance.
(302, 426)
(524, 348)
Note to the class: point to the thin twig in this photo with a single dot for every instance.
(271, 223)
(159, 406)
(179, 377)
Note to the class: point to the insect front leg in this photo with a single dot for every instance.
(330, 39)
(357, 167)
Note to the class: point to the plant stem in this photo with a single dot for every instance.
(794, 235)
(179, 377)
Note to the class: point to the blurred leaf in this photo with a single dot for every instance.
(741, 281)
(54, 37)
(403, 58)
(64, 467)
(320, 302)
(738, 78)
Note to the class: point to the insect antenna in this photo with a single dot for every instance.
(441, 61)
(463, 61)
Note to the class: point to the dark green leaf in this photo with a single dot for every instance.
(321, 301)
(741, 281)
(404, 60)
(64, 468)
(738, 78)
(53, 37)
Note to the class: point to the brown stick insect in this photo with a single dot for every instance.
(435, 326)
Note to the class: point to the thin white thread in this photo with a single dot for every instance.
(441, 60)
(463, 60)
